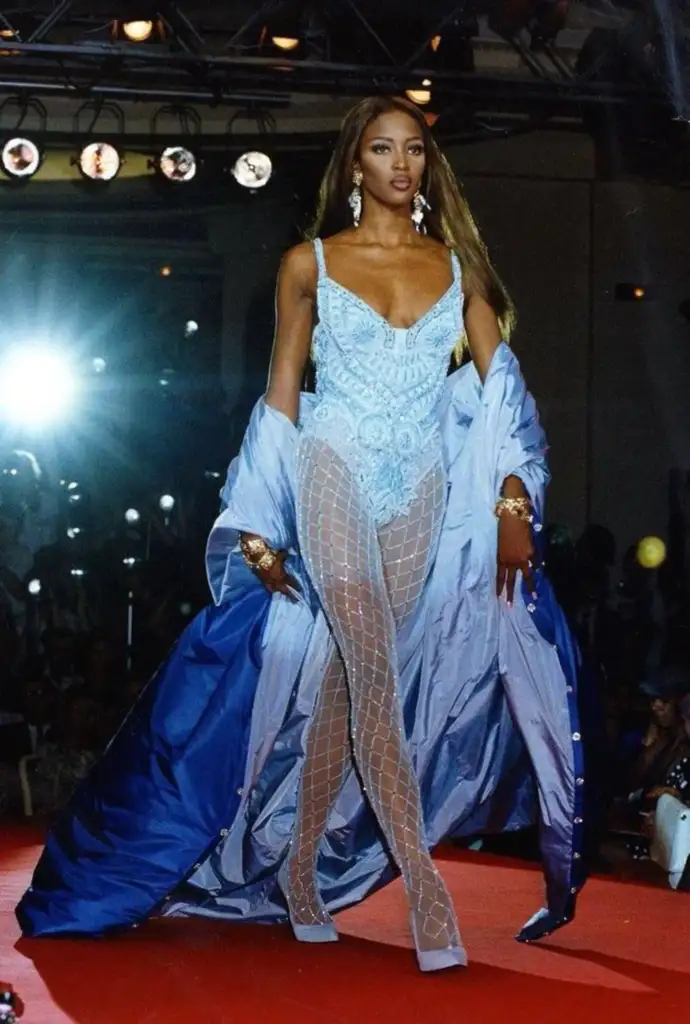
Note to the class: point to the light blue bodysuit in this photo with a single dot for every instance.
(378, 389)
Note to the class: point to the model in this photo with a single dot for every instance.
(385, 664)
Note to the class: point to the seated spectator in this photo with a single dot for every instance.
(661, 765)
(677, 781)
(645, 755)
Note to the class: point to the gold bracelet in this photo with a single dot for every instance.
(266, 561)
(521, 508)
(253, 547)
(256, 552)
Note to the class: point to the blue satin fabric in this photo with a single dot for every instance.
(191, 810)
(167, 784)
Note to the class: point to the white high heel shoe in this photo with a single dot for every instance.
(322, 931)
(437, 959)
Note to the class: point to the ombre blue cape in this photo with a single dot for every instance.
(191, 808)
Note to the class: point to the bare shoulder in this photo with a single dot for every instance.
(341, 239)
(298, 266)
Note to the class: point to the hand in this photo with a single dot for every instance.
(515, 552)
(276, 579)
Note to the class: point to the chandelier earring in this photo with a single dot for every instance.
(355, 197)
(419, 205)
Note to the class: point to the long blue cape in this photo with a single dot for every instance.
(191, 808)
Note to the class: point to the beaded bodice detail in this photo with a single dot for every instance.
(378, 388)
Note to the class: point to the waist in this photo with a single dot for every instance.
(398, 432)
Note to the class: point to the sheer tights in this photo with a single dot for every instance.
(368, 581)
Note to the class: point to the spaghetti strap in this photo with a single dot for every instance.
(455, 264)
(320, 259)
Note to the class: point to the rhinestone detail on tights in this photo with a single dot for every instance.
(368, 567)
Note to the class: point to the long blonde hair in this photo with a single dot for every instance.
(449, 219)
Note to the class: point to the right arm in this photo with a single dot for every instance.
(294, 321)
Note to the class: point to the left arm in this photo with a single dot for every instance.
(515, 542)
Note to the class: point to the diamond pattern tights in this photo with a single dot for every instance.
(368, 581)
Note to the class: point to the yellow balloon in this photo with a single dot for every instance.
(651, 552)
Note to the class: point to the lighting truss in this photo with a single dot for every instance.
(210, 55)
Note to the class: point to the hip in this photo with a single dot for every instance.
(387, 454)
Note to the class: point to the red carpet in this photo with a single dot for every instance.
(626, 959)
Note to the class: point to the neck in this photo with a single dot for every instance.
(386, 226)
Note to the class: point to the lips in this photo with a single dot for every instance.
(401, 183)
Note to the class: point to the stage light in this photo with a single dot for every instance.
(20, 158)
(73, 532)
(99, 161)
(186, 609)
(36, 385)
(625, 292)
(72, 486)
(651, 552)
(253, 169)
(177, 164)
(34, 587)
(285, 42)
(190, 328)
(130, 562)
(77, 572)
(137, 31)
(132, 516)
(420, 96)
(435, 43)
(74, 498)
(166, 503)
(166, 270)
(98, 365)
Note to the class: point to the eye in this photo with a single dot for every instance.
(417, 149)
(379, 147)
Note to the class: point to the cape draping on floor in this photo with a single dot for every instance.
(191, 808)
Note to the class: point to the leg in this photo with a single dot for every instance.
(408, 544)
(327, 756)
(341, 549)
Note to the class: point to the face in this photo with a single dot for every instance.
(392, 158)
(664, 712)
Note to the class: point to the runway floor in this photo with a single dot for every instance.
(624, 960)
